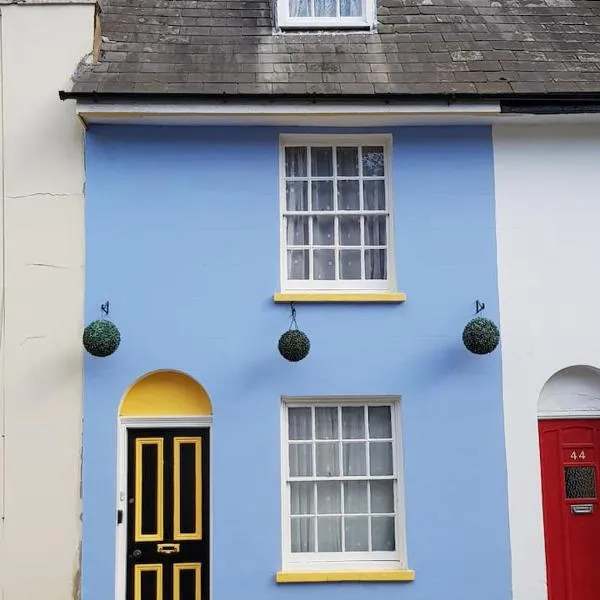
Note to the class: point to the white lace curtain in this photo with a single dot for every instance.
(325, 8)
(323, 227)
(353, 517)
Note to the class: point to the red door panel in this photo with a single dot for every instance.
(569, 459)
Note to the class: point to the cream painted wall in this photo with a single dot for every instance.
(548, 211)
(41, 189)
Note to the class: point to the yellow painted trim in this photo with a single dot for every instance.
(177, 568)
(159, 535)
(165, 393)
(137, 580)
(326, 576)
(197, 533)
(340, 297)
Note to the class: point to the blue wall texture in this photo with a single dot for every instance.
(183, 239)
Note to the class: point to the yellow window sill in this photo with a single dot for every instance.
(328, 576)
(340, 297)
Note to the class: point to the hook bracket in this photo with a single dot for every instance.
(293, 316)
(479, 306)
(105, 308)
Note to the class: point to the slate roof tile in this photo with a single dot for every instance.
(418, 47)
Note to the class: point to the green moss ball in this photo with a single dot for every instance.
(101, 338)
(481, 336)
(294, 345)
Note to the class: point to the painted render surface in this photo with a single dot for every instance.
(547, 215)
(182, 236)
(41, 172)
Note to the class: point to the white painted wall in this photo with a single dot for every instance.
(41, 194)
(572, 392)
(548, 230)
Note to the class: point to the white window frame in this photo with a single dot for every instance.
(344, 561)
(340, 285)
(284, 20)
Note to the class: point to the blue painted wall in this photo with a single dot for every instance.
(183, 239)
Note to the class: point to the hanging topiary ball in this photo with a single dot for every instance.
(294, 345)
(481, 336)
(101, 338)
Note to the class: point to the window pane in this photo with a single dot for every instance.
(297, 264)
(323, 264)
(296, 194)
(380, 454)
(350, 264)
(372, 160)
(301, 462)
(321, 162)
(325, 8)
(323, 231)
(580, 482)
(375, 264)
(300, 423)
(353, 422)
(329, 498)
(380, 422)
(330, 534)
(355, 497)
(351, 8)
(328, 460)
(303, 534)
(355, 458)
(374, 194)
(375, 231)
(348, 195)
(382, 496)
(322, 195)
(349, 231)
(295, 157)
(297, 231)
(383, 534)
(356, 531)
(347, 162)
(302, 498)
(326, 423)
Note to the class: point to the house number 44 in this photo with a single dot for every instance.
(580, 456)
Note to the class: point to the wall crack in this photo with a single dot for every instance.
(46, 265)
(34, 194)
(32, 337)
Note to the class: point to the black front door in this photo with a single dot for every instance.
(168, 514)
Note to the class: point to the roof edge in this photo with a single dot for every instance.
(547, 103)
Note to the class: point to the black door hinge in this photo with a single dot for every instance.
(119, 517)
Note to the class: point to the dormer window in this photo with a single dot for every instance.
(322, 14)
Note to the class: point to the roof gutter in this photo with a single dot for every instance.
(541, 104)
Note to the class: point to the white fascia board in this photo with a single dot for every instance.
(319, 114)
(287, 114)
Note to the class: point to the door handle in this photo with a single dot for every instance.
(167, 548)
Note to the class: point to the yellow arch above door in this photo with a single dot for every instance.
(165, 393)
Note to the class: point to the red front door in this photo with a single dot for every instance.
(570, 451)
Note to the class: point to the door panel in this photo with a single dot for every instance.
(187, 488)
(149, 489)
(187, 581)
(569, 460)
(148, 582)
(168, 514)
